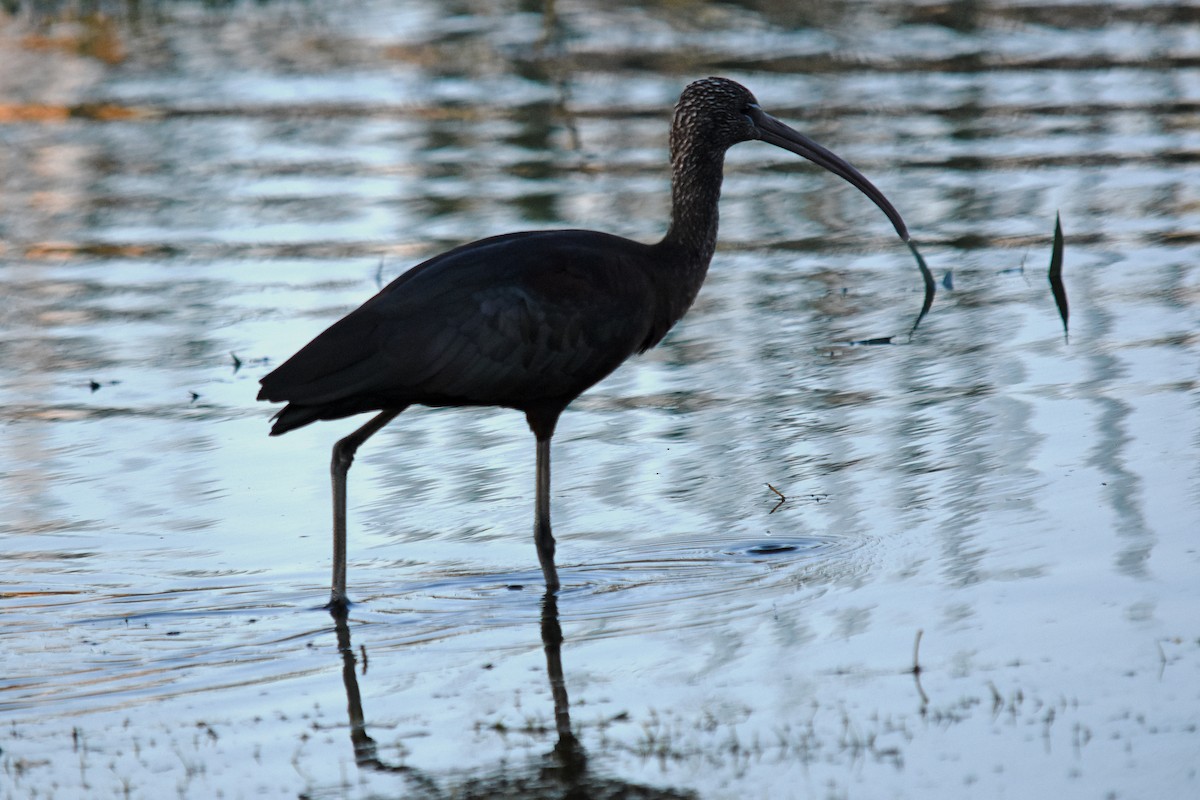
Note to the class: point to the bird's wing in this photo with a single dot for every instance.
(500, 322)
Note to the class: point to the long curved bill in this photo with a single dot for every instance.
(774, 132)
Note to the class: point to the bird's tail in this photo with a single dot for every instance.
(294, 416)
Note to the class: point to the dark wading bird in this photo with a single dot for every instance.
(531, 320)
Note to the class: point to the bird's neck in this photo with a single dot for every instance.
(684, 253)
(695, 192)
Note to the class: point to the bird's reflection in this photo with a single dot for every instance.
(568, 751)
(366, 752)
(562, 773)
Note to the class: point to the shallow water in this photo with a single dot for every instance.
(190, 193)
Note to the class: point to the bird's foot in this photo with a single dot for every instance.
(338, 605)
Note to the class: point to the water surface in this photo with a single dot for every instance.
(192, 191)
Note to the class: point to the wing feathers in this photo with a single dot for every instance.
(507, 321)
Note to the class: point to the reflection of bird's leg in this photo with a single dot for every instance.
(343, 457)
(568, 750)
(364, 745)
(542, 536)
(366, 752)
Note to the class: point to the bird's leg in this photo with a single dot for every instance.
(343, 457)
(542, 536)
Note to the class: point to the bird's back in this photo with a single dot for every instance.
(514, 320)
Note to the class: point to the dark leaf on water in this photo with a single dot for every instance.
(948, 280)
(1056, 281)
(876, 340)
(770, 548)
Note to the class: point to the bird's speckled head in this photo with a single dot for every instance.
(712, 116)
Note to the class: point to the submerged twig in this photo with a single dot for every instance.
(782, 499)
(916, 670)
(997, 700)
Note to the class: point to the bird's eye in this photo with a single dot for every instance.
(748, 109)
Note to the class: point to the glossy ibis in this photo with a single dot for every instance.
(530, 320)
